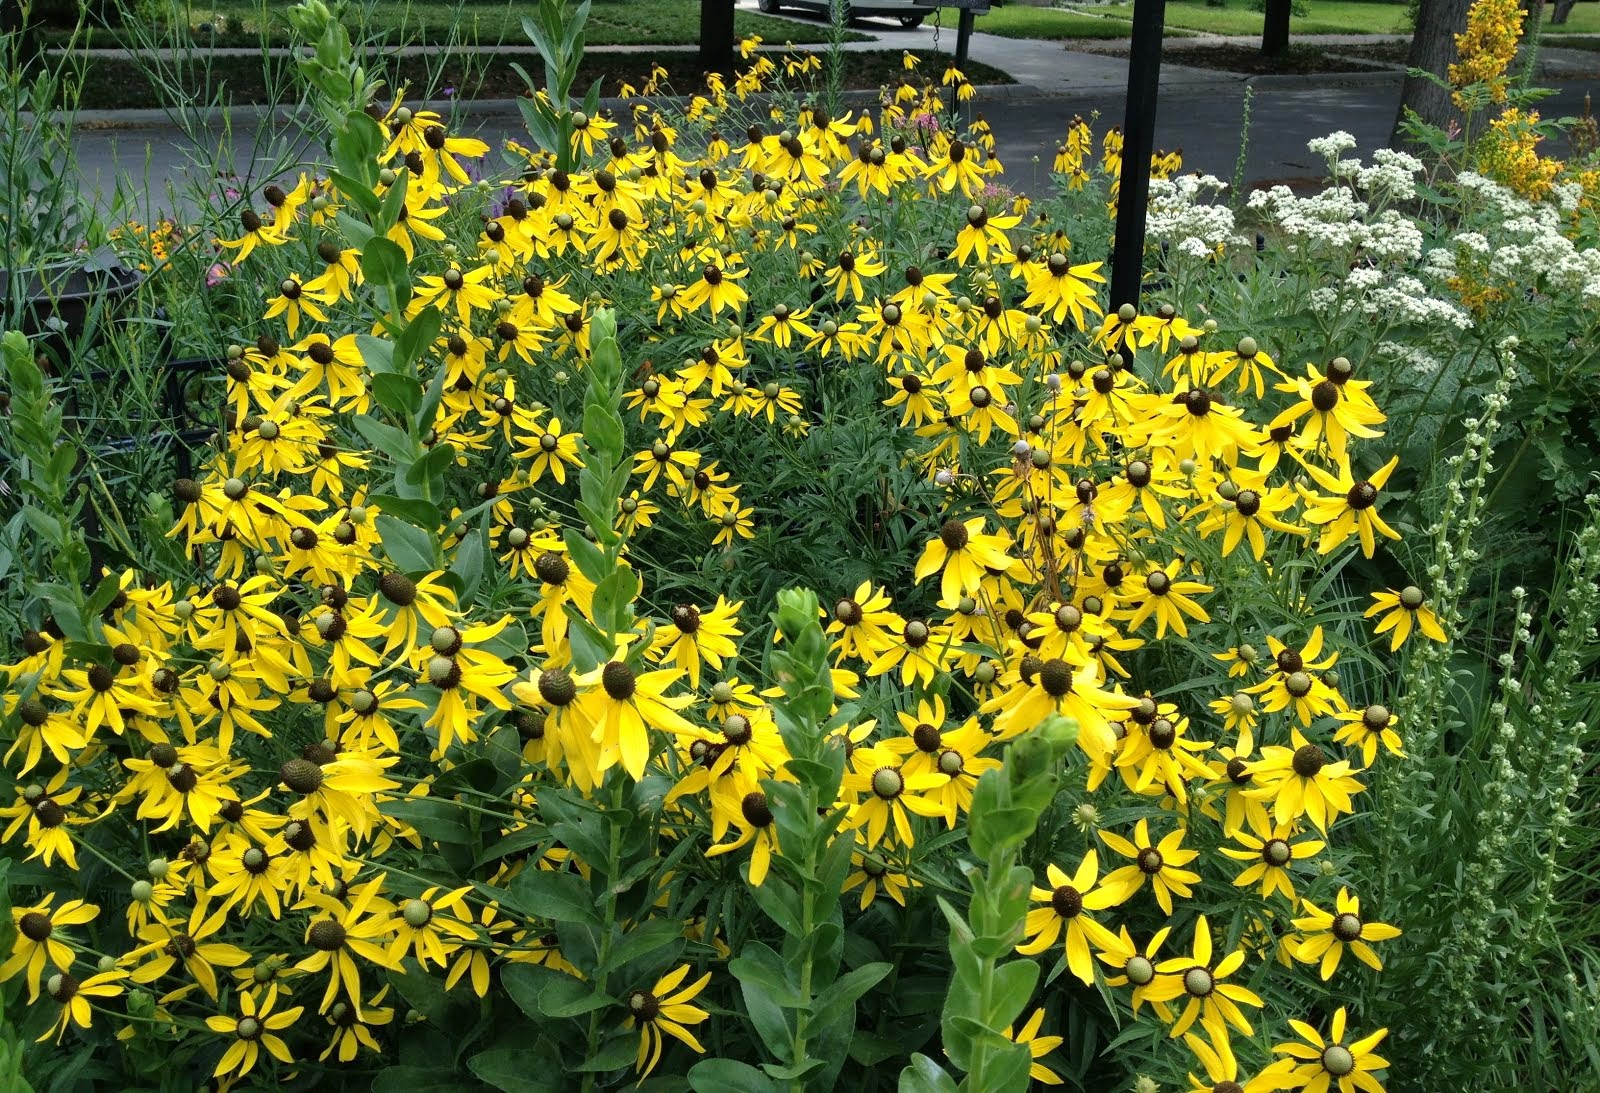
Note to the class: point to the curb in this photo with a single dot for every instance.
(1298, 81)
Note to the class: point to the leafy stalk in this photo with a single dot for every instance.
(987, 993)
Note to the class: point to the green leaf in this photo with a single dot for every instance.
(792, 1071)
(430, 401)
(1013, 985)
(993, 830)
(355, 232)
(769, 1021)
(615, 1053)
(847, 988)
(384, 265)
(925, 1076)
(418, 335)
(583, 828)
(410, 548)
(778, 900)
(65, 607)
(358, 143)
(515, 842)
(376, 353)
(433, 818)
(835, 866)
(758, 967)
(402, 394)
(1006, 1070)
(536, 35)
(468, 564)
(641, 941)
(394, 200)
(432, 466)
(613, 599)
(590, 561)
(591, 101)
(425, 993)
(414, 511)
(359, 194)
(384, 438)
(569, 997)
(525, 982)
(727, 1076)
(103, 594)
(509, 1069)
(602, 431)
(590, 648)
(553, 896)
(416, 1079)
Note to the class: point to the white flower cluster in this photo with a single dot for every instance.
(1528, 247)
(1331, 146)
(1338, 220)
(1393, 175)
(1379, 293)
(1421, 362)
(1178, 215)
(1334, 219)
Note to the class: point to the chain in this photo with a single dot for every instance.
(938, 25)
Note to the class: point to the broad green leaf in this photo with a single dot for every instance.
(432, 817)
(410, 548)
(727, 1076)
(384, 438)
(759, 967)
(416, 1079)
(511, 1070)
(641, 941)
(432, 466)
(617, 1051)
(613, 599)
(1012, 987)
(847, 988)
(925, 1076)
(376, 353)
(401, 394)
(590, 561)
(468, 563)
(414, 511)
(525, 982)
(384, 265)
(568, 997)
(553, 896)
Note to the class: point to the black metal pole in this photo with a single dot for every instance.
(716, 36)
(964, 22)
(1138, 140)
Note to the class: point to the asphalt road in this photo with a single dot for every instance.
(1204, 122)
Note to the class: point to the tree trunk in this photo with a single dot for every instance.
(1560, 10)
(1275, 31)
(716, 36)
(1433, 48)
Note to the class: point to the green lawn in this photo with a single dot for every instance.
(1048, 24)
(611, 22)
(1585, 19)
(1323, 17)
